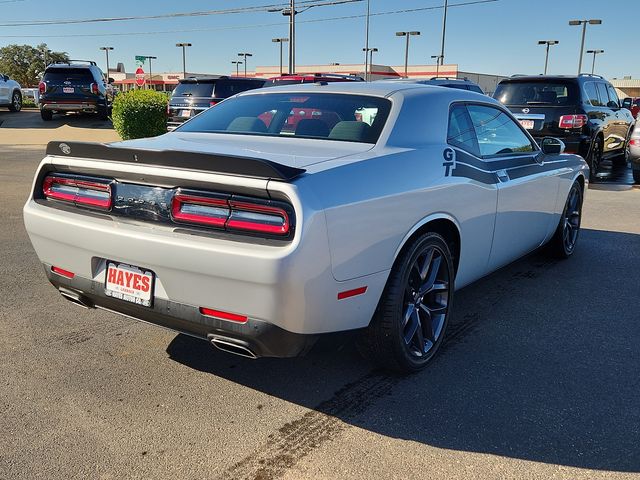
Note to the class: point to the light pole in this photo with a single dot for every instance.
(444, 31)
(280, 41)
(184, 58)
(406, 50)
(584, 32)
(370, 51)
(46, 50)
(366, 44)
(548, 43)
(237, 63)
(595, 52)
(106, 50)
(437, 58)
(245, 55)
(150, 73)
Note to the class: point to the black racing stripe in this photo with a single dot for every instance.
(467, 171)
(541, 168)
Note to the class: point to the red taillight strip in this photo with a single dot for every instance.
(256, 225)
(50, 182)
(351, 293)
(179, 200)
(232, 317)
(62, 272)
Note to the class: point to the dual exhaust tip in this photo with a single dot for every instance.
(225, 344)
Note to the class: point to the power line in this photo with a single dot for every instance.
(257, 8)
(262, 25)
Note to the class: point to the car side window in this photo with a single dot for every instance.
(613, 96)
(604, 96)
(592, 94)
(497, 133)
(461, 133)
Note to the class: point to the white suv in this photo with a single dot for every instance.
(10, 94)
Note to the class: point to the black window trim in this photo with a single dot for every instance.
(536, 148)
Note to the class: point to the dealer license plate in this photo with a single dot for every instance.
(528, 124)
(68, 89)
(185, 113)
(129, 283)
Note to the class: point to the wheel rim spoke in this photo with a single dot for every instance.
(412, 326)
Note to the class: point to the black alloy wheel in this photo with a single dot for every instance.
(410, 322)
(595, 157)
(564, 241)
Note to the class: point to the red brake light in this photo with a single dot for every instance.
(232, 317)
(634, 141)
(213, 102)
(42, 88)
(226, 212)
(94, 88)
(573, 121)
(78, 191)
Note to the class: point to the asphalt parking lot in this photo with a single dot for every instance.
(538, 379)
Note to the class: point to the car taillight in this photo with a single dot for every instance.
(94, 89)
(42, 88)
(634, 141)
(231, 213)
(213, 102)
(573, 121)
(88, 193)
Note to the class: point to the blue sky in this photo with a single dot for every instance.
(496, 38)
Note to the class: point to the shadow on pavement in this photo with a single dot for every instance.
(31, 119)
(541, 364)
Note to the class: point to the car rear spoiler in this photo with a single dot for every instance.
(205, 162)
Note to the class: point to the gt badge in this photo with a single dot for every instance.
(449, 164)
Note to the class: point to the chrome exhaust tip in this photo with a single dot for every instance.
(75, 298)
(230, 345)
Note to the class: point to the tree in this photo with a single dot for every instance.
(26, 64)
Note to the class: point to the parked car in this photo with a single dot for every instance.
(459, 83)
(10, 94)
(583, 111)
(75, 86)
(195, 94)
(634, 153)
(633, 105)
(295, 78)
(259, 240)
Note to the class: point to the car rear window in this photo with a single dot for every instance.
(228, 88)
(537, 93)
(341, 117)
(194, 89)
(59, 75)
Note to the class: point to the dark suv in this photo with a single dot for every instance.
(296, 78)
(195, 94)
(75, 86)
(583, 111)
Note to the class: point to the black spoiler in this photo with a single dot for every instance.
(204, 162)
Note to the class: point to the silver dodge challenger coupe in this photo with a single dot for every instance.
(285, 213)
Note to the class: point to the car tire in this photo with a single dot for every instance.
(410, 321)
(636, 176)
(595, 158)
(16, 102)
(564, 240)
(46, 115)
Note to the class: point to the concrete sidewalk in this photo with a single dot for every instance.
(27, 128)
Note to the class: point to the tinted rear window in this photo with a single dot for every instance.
(537, 93)
(59, 75)
(349, 118)
(193, 89)
(228, 88)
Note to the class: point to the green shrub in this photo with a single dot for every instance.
(139, 114)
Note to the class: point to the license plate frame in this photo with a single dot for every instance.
(527, 124)
(121, 288)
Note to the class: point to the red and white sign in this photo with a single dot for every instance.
(129, 283)
(140, 77)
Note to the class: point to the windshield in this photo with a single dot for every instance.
(193, 89)
(349, 118)
(537, 93)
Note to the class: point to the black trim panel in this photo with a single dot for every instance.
(205, 162)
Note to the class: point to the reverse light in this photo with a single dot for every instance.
(209, 211)
(573, 121)
(62, 272)
(258, 218)
(78, 191)
(231, 317)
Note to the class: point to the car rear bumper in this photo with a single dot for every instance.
(69, 107)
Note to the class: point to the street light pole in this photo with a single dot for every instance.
(437, 57)
(548, 43)
(444, 31)
(184, 58)
(237, 63)
(106, 50)
(280, 41)
(245, 55)
(366, 44)
(406, 51)
(149, 57)
(593, 65)
(368, 53)
(593, 21)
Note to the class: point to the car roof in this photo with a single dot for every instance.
(550, 78)
(214, 78)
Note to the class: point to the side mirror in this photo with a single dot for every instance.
(110, 80)
(552, 146)
(627, 102)
(612, 104)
